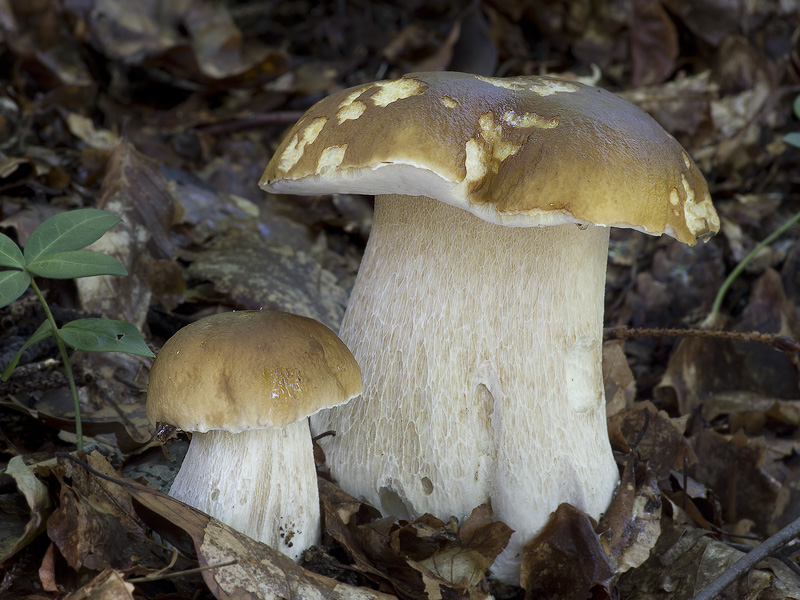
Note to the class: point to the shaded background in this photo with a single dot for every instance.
(166, 113)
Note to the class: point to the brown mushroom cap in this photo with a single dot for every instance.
(249, 369)
(522, 151)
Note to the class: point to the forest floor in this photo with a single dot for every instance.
(166, 114)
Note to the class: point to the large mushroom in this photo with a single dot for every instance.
(244, 382)
(477, 313)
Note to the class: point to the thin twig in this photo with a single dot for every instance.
(252, 121)
(750, 560)
(783, 343)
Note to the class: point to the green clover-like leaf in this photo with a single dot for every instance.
(13, 284)
(104, 335)
(68, 231)
(76, 263)
(10, 254)
(792, 138)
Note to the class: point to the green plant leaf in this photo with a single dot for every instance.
(43, 332)
(792, 138)
(68, 231)
(12, 285)
(104, 335)
(796, 106)
(77, 263)
(10, 254)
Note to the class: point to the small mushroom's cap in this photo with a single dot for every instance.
(522, 151)
(249, 369)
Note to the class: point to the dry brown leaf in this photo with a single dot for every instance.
(38, 501)
(47, 570)
(95, 137)
(662, 442)
(135, 191)
(126, 440)
(108, 585)
(423, 558)
(620, 386)
(654, 43)
(631, 524)
(681, 106)
(237, 566)
(257, 273)
(214, 49)
(460, 557)
(700, 368)
(683, 562)
(732, 467)
(86, 536)
(566, 560)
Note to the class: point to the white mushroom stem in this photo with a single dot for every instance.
(261, 482)
(480, 347)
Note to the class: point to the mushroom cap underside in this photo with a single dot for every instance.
(522, 151)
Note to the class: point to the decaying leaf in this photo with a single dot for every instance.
(424, 558)
(239, 567)
(38, 501)
(135, 191)
(258, 274)
(85, 535)
(126, 440)
(566, 560)
(732, 466)
(661, 438)
(700, 368)
(620, 386)
(462, 562)
(686, 560)
(108, 585)
(631, 524)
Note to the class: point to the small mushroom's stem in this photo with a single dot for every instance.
(261, 482)
(481, 348)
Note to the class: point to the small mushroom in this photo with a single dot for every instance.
(244, 382)
(477, 312)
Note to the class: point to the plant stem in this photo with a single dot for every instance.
(67, 367)
(744, 262)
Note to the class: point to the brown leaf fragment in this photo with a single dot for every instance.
(566, 560)
(681, 106)
(619, 383)
(108, 585)
(423, 558)
(460, 557)
(696, 505)
(256, 273)
(654, 43)
(700, 368)
(258, 572)
(236, 567)
(662, 442)
(85, 535)
(47, 570)
(85, 130)
(631, 525)
(135, 191)
(683, 562)
(38, 501)
(732, 467)
(125, 440)
(785, 585)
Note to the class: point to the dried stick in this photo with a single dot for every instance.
(784, 343)
(750, 560)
